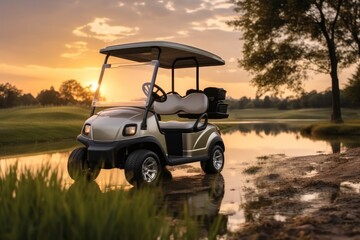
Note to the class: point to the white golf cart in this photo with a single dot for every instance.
(125, 131)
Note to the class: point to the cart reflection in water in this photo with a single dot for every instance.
(198, 197)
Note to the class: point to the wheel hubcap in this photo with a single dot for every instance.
(218, 159)
(149, 169)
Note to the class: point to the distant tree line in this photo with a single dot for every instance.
(311, 99)
(349, 97)
(70, 93)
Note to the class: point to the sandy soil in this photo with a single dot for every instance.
(312, 197)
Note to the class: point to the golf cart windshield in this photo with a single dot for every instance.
(121, 84)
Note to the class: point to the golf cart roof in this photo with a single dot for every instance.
(168, 53)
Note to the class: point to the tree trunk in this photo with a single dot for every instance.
(329, 35)
(336, 108)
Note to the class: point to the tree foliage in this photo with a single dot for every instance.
(352, 88)
(312, 99)
(49, 97)
(72, 92)
(285, 39)
(9, 95)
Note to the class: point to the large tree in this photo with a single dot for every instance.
(71, 91)
(285, 39)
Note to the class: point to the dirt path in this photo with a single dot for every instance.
(312, 197)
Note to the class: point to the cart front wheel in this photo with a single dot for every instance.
(78, 166)
(142, 167)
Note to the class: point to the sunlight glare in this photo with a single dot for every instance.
(93, 86)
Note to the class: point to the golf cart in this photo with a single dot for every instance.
(125, 129)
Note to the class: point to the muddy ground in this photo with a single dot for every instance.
(312, 197)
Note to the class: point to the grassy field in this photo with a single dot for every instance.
(36, 129)
(35, 205)
(39, 129)
(41, 124)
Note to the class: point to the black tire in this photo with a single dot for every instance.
(216, 161)
(142, 167)
(78, 166)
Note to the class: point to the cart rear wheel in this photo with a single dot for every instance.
(78, 166)
(142, 167)
(216, 161)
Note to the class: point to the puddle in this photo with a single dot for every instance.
(311, 173)
(350, 187)
(309, 197)
(280, 218)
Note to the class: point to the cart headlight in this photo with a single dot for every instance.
(130, 130)
(87, 129)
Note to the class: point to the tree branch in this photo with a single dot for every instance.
(333, 25)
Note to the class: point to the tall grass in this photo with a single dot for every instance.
(35, 205)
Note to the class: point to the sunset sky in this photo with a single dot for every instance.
(45, 42)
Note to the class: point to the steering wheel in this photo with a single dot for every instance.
(158, 98)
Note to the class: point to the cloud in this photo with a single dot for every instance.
(76, 48)
(215, 23)
(210, 5)
(139, 4)
(184, 33)
(100, 29)
(179, 34)
(170, 6)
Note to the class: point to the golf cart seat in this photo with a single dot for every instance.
(217, 108)
(194, 103)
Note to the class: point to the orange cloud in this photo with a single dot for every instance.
(100, 29)
(76, 48)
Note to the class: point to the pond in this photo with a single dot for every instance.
(248, 145)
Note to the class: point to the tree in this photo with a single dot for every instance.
(87, 95)
(71, 91)
(27, 99)
(285, 39)
(352, 88)
(49, 97)
(349, 17)
(9, 95)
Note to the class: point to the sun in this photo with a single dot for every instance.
(93, 86)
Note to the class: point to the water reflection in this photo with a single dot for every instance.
(266, 129)
(203, 198)
(262, 128)
(200, 194)
(197, 196)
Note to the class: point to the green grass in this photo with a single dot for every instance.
(36, 205)
(348, 128)
(40, 124)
